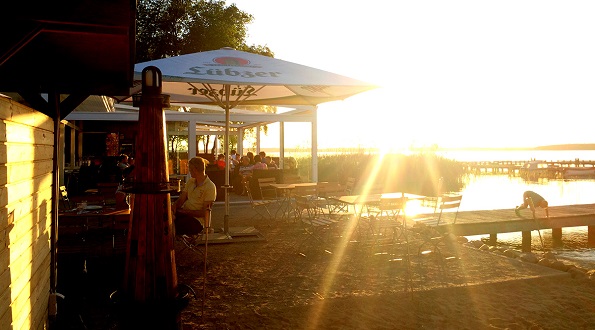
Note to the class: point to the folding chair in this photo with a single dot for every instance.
(310, 213)
(260, 206)
(189, 230)
(266, 190)
(328, 191)
(350, 186)
(305, 199)
(389, 218)
(426, 226)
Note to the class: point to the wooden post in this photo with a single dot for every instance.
(150, 283)
(493, 239)
(557, 236)
(526, 241)
(591, 236)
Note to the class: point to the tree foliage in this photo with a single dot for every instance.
(174, 27)
(167, 28)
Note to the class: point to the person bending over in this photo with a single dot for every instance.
(532, 200)
(197, 193)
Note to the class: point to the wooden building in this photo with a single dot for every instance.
(53, 55)
(25, 220)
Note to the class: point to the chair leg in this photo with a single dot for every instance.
(190, 243)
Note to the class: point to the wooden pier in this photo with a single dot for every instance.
(538, 169)
(494, 222)
(511, 167)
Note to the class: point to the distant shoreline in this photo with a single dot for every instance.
(577, 146)
(556, 147)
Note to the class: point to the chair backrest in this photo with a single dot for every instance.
(391, 206)
(434, 200)
(450, 202)
(305, 196)
(350, 186)
(310, 190)
(330, 189)
(208, 212)
(266, 190)
(392, 203)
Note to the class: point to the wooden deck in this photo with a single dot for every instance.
(493, 222)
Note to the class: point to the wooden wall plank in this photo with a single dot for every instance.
(32, 226)
(25, 299)
(11, 193)
(24, 170)
(18, 133)
(18, 113)
(26, 152)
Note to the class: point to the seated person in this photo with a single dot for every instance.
(245, 172)
(258, 164)
(221, 162)
(198, 191)
(245, 167)
(289, 163)
(123, 161)
(270, 163)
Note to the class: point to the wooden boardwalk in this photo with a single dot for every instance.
(511, 167)
(548, 169)
(493, 222)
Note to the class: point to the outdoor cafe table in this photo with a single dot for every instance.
(369, 200)
(284, 190)
(94, 218)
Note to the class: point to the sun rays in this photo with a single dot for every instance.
(383, 173)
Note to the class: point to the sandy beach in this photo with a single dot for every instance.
(290, 282)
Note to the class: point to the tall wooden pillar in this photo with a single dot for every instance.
(150, 279)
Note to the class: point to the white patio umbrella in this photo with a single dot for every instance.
(228, 78)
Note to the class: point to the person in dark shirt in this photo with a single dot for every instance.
(532, 200)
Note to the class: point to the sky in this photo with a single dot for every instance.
(475, 73)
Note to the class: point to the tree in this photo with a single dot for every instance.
(175, 27)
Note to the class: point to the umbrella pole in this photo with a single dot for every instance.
(204, 271)
(226, 148)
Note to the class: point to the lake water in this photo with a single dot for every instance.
(484, 192)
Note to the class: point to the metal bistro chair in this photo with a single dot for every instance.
(431, 238)
(260, 206)
(267, 192)
(189, 230)
(329, 191)
(387, 224)
(310, 213)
